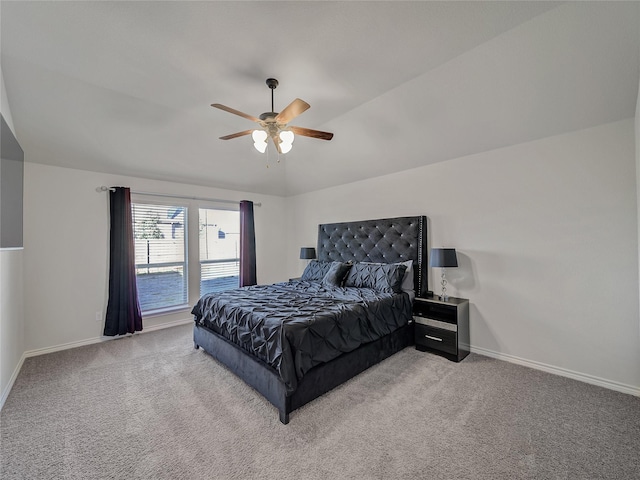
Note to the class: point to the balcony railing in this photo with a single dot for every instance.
(164, 285)
(219, 275)
(161, 285)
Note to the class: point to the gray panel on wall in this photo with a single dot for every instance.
(11, 185)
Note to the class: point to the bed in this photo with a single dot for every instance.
(294, 341)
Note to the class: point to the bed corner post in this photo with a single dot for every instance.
(284, 417)
(196, 346)
(284, 410)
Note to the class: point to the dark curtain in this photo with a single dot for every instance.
(247, 245)
(123, 309)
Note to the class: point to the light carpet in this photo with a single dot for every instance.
(151, 407)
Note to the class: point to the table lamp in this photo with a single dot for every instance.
(443, 258)
(307, 253)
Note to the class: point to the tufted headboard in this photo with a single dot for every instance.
(388, 240)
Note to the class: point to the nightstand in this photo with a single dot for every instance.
(442, 326)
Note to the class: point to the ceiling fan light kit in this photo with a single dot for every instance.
(260, 140)
(275, 125)
(286, 140)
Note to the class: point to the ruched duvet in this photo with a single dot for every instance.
(294, 326)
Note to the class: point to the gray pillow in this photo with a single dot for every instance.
(335, 276)
(315, 271)
(378, 276)
(407, 284)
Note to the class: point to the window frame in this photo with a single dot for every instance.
(228, 208)
(192, 241)
(168, 202)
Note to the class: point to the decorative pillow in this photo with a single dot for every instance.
(315, 271)
(408, 284)
(379, 276)
(408, 281)
(335, 276)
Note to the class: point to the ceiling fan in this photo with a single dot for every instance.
(275, 125)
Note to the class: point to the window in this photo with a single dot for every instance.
(161, 253)
(178, 248)
(219, 247)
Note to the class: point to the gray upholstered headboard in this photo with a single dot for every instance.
(388, 240)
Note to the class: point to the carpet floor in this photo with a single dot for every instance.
(149, 406)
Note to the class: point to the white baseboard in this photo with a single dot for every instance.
(14, 375)
(563, 372)
(582, 377)
(79, 343)
(90, 341)
(66, 346)
(162, 326)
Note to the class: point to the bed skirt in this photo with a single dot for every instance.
(317, 381)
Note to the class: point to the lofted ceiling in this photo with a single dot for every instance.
(126, 87)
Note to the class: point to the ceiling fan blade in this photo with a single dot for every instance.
(276, 142)
(235, 112)
(236, 135)
(292, 110)
(307, 132)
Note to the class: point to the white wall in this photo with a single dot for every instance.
(546, 234)
(637, 125)
(11, 296)
(66, 249)
(11, 318)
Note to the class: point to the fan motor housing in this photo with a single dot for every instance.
(266, 116)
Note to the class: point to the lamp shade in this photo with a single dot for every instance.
(443, 257)
(307, 253)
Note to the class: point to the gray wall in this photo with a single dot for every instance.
(11, 296)
(11, 186)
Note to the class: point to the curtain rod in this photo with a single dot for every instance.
(169, 195)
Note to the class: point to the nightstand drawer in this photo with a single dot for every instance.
(430, 322)
(443, 313)
(437, 338)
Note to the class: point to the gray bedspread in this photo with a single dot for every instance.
(294, 326)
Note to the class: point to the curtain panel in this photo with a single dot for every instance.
(247, 245)
(123, 309)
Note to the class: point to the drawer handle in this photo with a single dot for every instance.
(433, 338)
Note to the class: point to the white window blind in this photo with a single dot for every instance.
(219, 247)
(160, 255)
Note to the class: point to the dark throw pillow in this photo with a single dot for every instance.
(381, 277)
(336, 274)
(315, 271)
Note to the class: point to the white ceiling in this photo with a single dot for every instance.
(126, 87)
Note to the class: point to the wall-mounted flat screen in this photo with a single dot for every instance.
(11, 184)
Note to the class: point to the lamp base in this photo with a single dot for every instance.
(443, 284)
